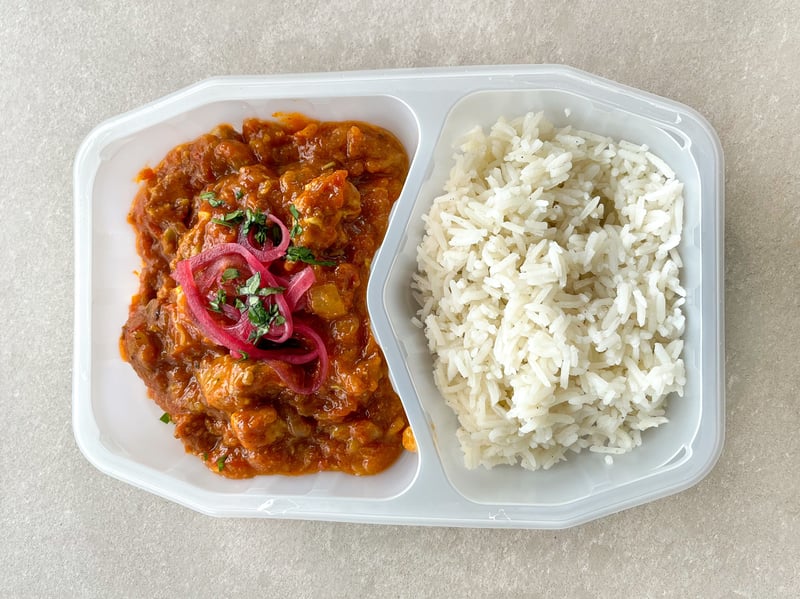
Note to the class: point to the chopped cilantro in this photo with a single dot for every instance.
(229, 273)
(221, 463)
(165, 418)
(262, 318)
(230, 218)
(211, 198)
(219, 301)
(238, 194)
(258, 222)
(299, 253)
(250, 219)
(261, 235)
(251, 286)
(271, 290)
(296, 228)
(253, 218)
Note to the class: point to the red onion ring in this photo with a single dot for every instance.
(200, 273)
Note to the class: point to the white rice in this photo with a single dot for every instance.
(548, 280)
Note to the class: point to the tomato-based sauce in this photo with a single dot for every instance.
(333, 185)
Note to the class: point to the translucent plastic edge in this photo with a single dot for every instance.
(82, 309)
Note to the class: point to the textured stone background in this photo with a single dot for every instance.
(70, 531)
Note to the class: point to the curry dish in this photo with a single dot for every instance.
(250, 326)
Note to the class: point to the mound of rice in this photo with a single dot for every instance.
(548, 280)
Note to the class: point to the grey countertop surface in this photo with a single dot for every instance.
(70, 531)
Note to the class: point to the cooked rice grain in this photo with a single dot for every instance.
(548, 280)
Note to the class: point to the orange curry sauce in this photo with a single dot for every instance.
(233, 412)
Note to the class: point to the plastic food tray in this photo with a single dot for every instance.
(118, 429)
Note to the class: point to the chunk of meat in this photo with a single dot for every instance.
(256, 428)
(324, 204)
(229, 384)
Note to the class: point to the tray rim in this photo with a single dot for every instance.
(145, 114)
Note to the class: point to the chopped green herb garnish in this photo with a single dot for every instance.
(253, 218)
(211, 198)
(221, 463)
(219, 301)
(258, 221)
(262, 318)
(296, 228)
(238, 194)
(244, 356)
(271, 290)
(229, 273)
(251, 286)
(229, 219)
(165, 418)
(261, 236)
(250, 219)
(299, 253)
(205, 456)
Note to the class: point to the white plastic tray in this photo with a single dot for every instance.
(118, 429)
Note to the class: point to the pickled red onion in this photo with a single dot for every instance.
(269, 254)
(197, 276)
